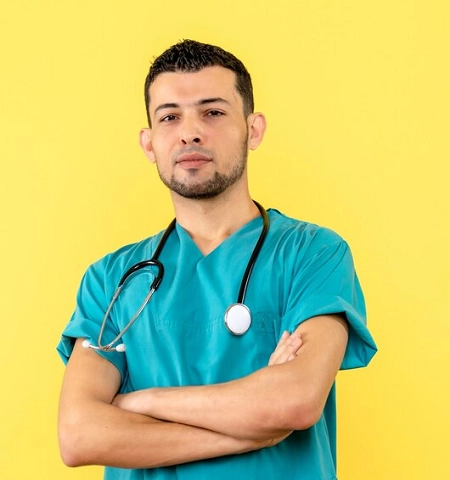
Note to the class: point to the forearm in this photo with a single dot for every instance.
(92, 431)
(249, 408)
(276, 399)
(127, 440)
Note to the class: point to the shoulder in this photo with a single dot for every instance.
(299, 235)
(115, 263)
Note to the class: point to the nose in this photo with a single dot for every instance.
(191, 132)
(191, 140)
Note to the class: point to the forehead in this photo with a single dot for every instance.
(190, 87)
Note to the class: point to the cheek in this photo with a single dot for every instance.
(161, 148)
(230, 137)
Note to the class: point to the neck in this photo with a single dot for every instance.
(210, 222)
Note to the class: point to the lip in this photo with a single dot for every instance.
(192, 160)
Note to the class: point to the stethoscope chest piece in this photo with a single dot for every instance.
(238, 318)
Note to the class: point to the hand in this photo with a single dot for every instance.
(139, 401)
(133, 402)
(287, 349)
(117, 400)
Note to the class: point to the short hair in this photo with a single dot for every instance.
(192, 56)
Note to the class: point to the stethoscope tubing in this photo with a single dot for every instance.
(255, 253)
(154, 261)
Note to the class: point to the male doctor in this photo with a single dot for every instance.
(190, 399)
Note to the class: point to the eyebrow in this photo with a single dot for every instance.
(203, 101)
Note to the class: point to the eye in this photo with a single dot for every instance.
(215, 113)
(168, 118)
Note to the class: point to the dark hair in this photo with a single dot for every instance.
(192, 56)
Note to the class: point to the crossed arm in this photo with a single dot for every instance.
(169, 426)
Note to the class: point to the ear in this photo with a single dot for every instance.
(256, 123)
(145, 140)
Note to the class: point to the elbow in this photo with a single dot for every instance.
(69, 458)
(74, 446)
(303, 415)
(305, 418)
(71, 453)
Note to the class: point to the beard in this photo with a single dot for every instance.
(211, 187)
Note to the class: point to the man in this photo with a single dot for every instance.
(189, 399)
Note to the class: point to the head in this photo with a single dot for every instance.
(199, 102)
(192, 56)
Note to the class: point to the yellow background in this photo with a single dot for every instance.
(357, 97)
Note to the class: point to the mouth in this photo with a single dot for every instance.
(192, 160)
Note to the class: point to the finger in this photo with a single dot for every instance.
(291, 350)
(281, 346)
(279, 354)
(286, 349)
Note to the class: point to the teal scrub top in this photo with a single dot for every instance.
(180, 338)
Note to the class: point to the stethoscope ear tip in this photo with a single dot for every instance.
(108, 348)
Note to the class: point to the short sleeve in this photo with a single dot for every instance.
(326, 283)
(87, 318)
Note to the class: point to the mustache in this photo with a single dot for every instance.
(192, 149)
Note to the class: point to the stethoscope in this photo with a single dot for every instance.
(237, 318)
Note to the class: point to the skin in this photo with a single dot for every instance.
(199, 131)
(198, 141)
(291, 395)
(93, 430)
